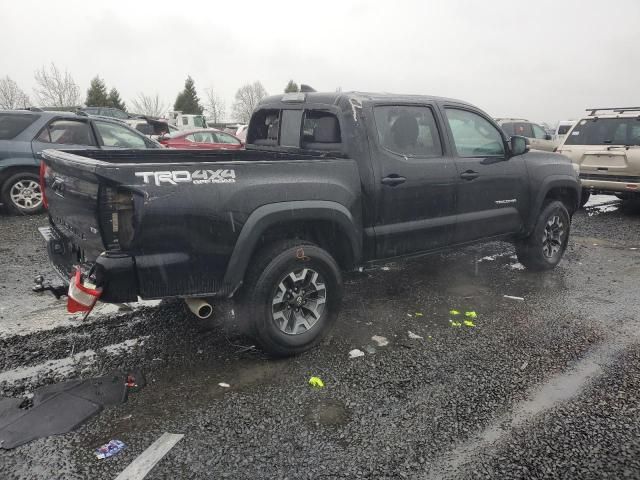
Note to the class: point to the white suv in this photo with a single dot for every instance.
(539, 139)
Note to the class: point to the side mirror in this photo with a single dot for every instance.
(519, 145)
(548, 137)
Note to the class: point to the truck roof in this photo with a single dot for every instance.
(334, 98)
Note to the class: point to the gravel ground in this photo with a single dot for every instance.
(541, 388)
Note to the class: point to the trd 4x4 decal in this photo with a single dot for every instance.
(184, 176)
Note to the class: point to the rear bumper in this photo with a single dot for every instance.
(610, 186)
(114, 272)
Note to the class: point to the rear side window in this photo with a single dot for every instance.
(563, 129)
(321, 130)
(67, 132)
(265, 127)
(227, 139)
(145, 129)
(605, 131)
(119, 136)
(11, 125)
(474, 135)
(408, 130)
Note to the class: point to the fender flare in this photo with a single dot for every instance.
(267, 215)
(550, 182)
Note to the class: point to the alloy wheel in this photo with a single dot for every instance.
(299, 301)
(26, 194)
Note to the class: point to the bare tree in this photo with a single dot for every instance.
(247, 97)
(56, 89)
(11, 95)
(214, 106)
(148, 105)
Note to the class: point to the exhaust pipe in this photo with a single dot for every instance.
(199, 307)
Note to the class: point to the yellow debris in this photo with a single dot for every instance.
(456, 324)
(419, 314)
(316, 382)
(454, 312)
(471, 314)
(469, 323)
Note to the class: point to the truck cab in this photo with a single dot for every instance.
(183, 121)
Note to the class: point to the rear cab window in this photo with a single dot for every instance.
(12, 124)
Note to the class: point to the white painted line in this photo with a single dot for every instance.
(510, 297)
(141, 466)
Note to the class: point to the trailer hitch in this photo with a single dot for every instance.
(40, 285)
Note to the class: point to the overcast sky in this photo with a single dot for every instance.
(544, 60)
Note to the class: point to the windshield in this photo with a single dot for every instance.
(200, 121)
(605, 131)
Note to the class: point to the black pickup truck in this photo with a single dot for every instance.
(328, 182)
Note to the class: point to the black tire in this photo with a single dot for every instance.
(271, 267)
(30, 204)
(584, 198)
(554, 223)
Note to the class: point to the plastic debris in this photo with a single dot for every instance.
(429, 337)
(469, 323)
(455, 324)
(419, 314)
(110, 449)
(409, 315)
(355, 353)
(471, 314)
(414, 336)
(381, 341)
(454, 312)
(511, 297)
(224, 385)
(370, 349)
(316, 382)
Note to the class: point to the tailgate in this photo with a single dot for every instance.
(72, 190)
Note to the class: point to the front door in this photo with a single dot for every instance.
(492, 188)
(416, 181)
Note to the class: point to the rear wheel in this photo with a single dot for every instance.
(21, 193)
(584, 198)
(291, 297)
(544, 248)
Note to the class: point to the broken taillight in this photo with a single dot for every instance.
(43, 182)
(82, 297)
(117, 220)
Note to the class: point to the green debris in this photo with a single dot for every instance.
(455, 324)
(316, 382)
(419, 314)
(471, 314)
(469, 323)
(454, 312)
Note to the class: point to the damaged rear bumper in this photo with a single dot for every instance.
(114, 272)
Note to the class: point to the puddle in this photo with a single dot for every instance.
(327, 413)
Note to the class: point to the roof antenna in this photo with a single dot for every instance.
(306, 88)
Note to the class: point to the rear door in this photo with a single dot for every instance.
(416, 178)
(492, 188)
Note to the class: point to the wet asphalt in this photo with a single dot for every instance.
(547, 387)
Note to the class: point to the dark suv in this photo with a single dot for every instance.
(24, 134)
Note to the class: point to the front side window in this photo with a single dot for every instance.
(67, 132)
(204, 137)
(474, 135)
(408, 130)
(523, 129)
(605, 131)
(119, 136)
(538, 132)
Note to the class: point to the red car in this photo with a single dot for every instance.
(203, 139)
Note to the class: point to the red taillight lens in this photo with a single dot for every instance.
(43, 173)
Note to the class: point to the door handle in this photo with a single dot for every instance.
(393, 180)
(469, 175)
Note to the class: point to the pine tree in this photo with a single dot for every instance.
(187, 100)
(115, 101)
(291, 87)
(97, 93)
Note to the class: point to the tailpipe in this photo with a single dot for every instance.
(199, 307)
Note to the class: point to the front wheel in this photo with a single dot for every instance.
(291, 297)
(543, 249)
(21, 193)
